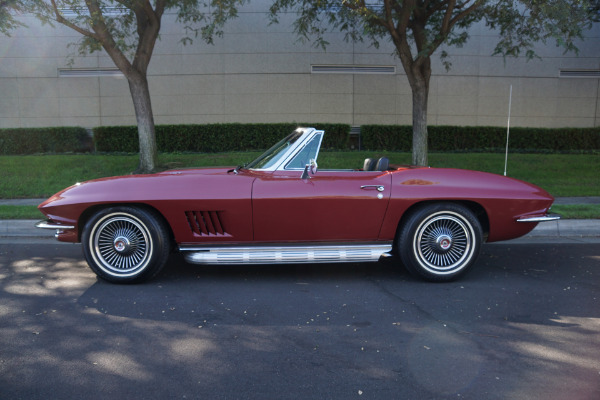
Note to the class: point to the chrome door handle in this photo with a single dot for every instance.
(380, 188)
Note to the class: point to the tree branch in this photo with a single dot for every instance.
(105, 38)
(448, 23)
(447, 17)
(387, 4)
(62, 20)
(466, 12)
(437, 7)
(148, 26)
(160, 8)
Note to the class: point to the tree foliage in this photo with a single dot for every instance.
(427, 24)
(8, 8)
(127, 31)
(418, 28)
(125, 24)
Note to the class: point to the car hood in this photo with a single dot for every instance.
(131, 188)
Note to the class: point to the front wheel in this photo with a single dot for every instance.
(440, 242)
(125, 244)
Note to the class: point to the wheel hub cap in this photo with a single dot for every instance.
(122, 245)
(443, 242)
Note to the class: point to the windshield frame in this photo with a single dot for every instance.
(280, 154)
(316, 137)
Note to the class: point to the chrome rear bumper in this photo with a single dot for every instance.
(543, 218)
(53, 225)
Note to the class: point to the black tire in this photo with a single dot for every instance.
(440, 242)
(126, 244)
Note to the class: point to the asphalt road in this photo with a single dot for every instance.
(525, 324)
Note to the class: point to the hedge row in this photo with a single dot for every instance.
(474, 138)
(213, 138)
(241, 137)
(43, 140)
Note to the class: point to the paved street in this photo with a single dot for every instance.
(523, 325)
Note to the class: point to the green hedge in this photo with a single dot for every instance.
(43, 140)
(212, 138)
(241, 137)
(472, 138)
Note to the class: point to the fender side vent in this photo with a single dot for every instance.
(206, 223)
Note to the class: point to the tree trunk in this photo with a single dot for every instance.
(140, 94)
(419, 74)
(420, 95)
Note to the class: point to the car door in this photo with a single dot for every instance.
(328, 206)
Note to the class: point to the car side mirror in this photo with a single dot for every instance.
(313, 166)
(305, 172)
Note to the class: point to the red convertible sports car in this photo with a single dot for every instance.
(280, 209)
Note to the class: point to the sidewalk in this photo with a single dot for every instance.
(21, 202)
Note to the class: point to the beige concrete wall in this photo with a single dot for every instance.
(260, 73)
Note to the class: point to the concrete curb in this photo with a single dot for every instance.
(568, 228)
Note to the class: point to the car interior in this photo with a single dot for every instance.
(372, 164)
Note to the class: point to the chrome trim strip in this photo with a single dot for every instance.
(545, 218)
(52, 225)
(286, 254)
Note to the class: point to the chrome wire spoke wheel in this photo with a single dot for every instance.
(126, 244)
(122, 245)
(443, 243)
(440, 241)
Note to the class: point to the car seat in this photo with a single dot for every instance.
(369, 164)
(382, 164)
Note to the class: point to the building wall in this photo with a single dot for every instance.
(259, 73)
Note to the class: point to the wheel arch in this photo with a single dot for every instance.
(90, 211)
(477, 209)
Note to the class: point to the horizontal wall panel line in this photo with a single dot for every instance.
(353, 69)
(88, 72)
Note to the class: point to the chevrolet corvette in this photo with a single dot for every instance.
(281, 208)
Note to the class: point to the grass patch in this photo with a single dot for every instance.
(578, 211)
(43, 175)
(20, 212)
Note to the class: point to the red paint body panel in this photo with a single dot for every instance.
(503, 199)
(172, 194)
(216, 206)
(330, 206)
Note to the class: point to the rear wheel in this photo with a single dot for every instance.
(440, 242)
(126, 244)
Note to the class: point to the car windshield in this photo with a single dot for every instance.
(271, 156)
(308, 152)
